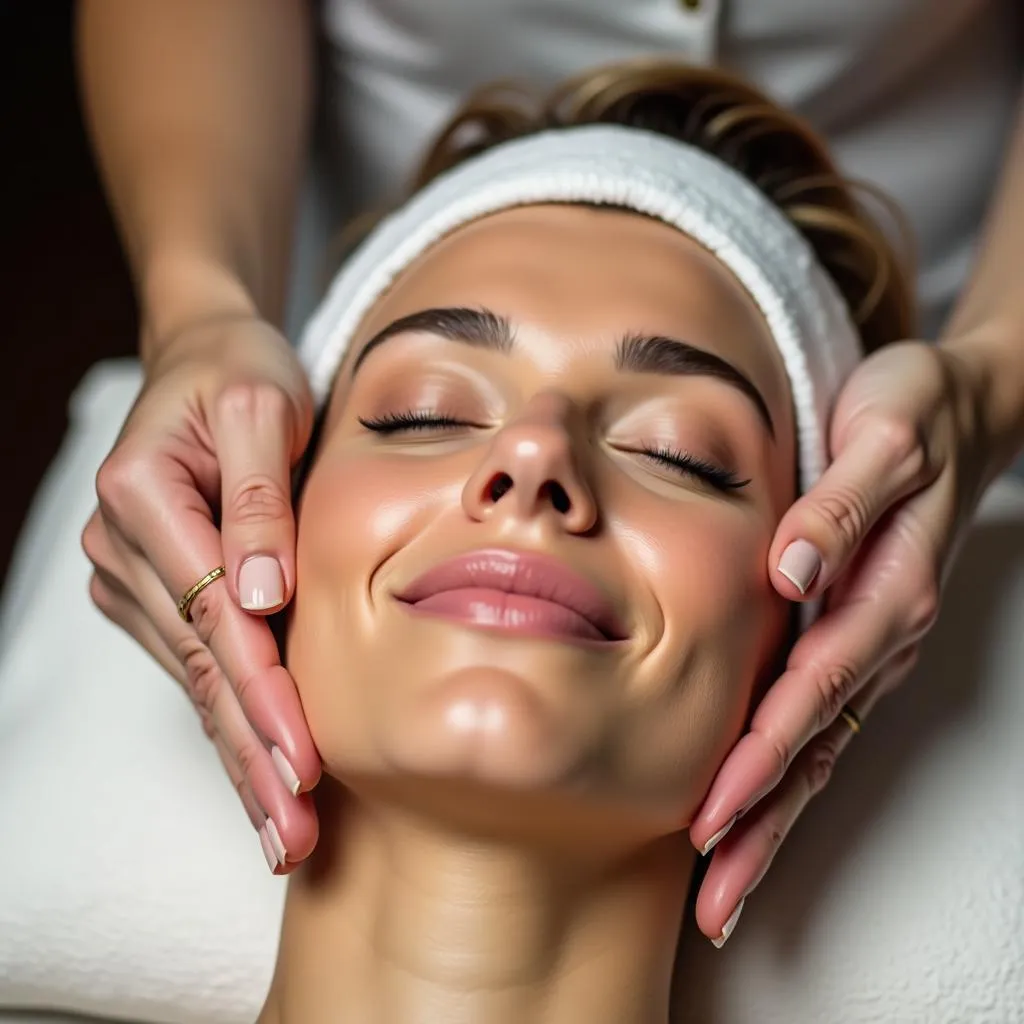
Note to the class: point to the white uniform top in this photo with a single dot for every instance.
(916, 96)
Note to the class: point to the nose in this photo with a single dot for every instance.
(530, 471)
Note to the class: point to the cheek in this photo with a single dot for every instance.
(720, 624)
(357, 511)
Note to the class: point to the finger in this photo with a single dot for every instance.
(271, 842)
(241, 784)
(888, 602)
(112, 597)
(173, 533)
(291, 832)
(294, 825)
(743, 857)
(887, 605)
(121, 608)
(880, 463)
(254, 433)
(806, 698)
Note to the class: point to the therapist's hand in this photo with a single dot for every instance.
(224, 413)
(874, 536)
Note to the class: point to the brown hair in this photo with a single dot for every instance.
(730, 120)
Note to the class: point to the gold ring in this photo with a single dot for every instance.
(851, 718)
(193, 592)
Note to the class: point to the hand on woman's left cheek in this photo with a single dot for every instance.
(874, 535)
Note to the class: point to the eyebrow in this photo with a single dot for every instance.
(635, 353)
(478, 327)
(642, 353)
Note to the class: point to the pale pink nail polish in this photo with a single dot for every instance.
(268, 849)
(285, 771)
(730, 925)
(276, 845)
(718, 836)
(800, 564)
(260, 584)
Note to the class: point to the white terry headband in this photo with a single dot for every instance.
(653, 175)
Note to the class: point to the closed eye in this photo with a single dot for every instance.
(412, 420)
(689, 465)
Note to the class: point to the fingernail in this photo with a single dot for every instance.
(285, 771)
(260, 583)
(717, 837)
(800, 564)
(275, 841)
(730, 925)
(268, 849)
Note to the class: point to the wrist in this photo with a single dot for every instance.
(990, 358)
(182, 291)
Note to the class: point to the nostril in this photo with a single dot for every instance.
(557, 495)
(500, 485)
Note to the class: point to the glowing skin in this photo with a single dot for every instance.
(516, 784)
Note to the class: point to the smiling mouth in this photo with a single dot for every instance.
(515, 592)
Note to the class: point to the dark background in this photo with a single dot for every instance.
(66, 296)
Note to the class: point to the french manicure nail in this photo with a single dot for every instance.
(260, 583)
(268, 849)
(285, 770)
(718, 836)
(730, 925)
(800, 564)
(275, 841)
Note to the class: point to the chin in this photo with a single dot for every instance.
(492, 726)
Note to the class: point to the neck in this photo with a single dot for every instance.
(403, 918)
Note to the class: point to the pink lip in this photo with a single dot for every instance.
(518, 592)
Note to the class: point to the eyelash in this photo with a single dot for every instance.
(720, 479)
(413, 419)
(681, 462)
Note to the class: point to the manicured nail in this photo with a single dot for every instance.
(730, 925)
(275, 841)
(717, 837)
(260, 583)
(800, 564)
(285, 771)
(268, 849)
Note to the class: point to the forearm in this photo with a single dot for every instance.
(198, 110)
(987, 326)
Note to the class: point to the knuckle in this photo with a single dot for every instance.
(821, 762)
(835, 687)
(118, 482)
(202, 675)
(208, 724)
(207, 610)
(257, 500)
(911, 656)
(252, 402)
(783, 751)
(246, 757)
(894, 674)
(94, 542)
(242, 687)
(844, 514)
(102, 597)
(899, 441)
(923, 610)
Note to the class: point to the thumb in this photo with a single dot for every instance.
(257, 438)
(877, 466)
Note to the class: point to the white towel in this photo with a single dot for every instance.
(657, 176)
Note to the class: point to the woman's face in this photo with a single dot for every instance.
(532, 549)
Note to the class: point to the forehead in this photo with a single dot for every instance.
(575, 279)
